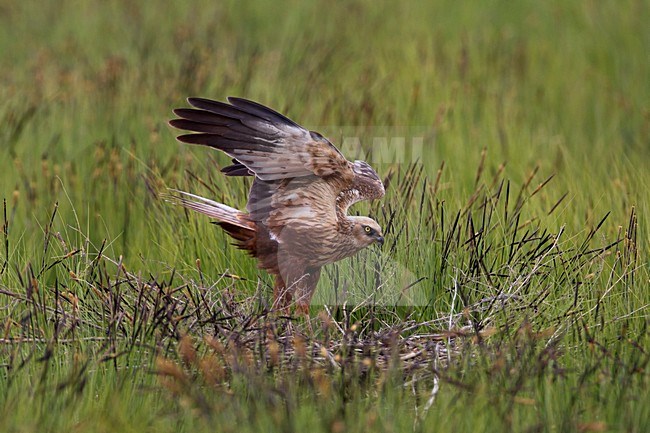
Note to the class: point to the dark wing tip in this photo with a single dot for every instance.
(193, 100)
(204, 139)
(175, 123)
(181, 112)
(206, 104)
(261, 111)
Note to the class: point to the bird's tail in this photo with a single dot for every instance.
(233, 221)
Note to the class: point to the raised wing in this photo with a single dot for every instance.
(302, 181)
(264, 141)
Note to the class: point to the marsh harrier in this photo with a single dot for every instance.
(296, 220)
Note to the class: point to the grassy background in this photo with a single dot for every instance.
(556, 88)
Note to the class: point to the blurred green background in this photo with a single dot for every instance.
(560, 85)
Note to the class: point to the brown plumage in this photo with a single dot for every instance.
(296, 220)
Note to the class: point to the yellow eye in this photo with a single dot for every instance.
(367, 229)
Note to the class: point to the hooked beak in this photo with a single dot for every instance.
(380, 240)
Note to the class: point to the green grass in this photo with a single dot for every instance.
(523, 303)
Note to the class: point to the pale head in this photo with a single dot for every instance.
(365, 232)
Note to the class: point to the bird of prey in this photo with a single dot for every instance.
(296, 217)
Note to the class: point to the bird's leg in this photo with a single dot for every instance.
(303, 309)
(282, 304)
(300, 282)
(281, 296)
(304, 292)
(305, 288)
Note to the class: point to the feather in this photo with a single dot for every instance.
(267, 143)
